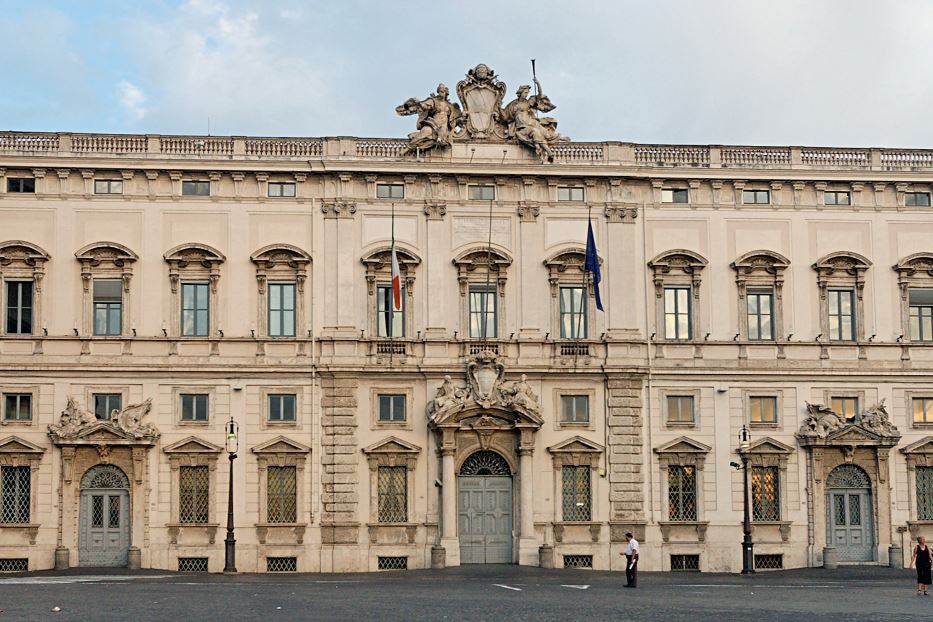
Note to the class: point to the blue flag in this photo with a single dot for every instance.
(592, 263)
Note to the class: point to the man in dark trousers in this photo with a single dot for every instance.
(631, 560)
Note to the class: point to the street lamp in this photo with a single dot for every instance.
(748, 555)
(230, 541)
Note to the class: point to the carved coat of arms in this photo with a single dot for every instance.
(481, 93)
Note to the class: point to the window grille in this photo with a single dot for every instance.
(392, 563)
(390, 347)
(193, 494)
(685, 563)
(924, 493)
(281, 309)
(766, 500)
(105, 476)
(574, 349)
(485, 462)
(576, 493)
(677, 311)
(760, 305)
(393, 494)
(281, 494)
(769, 562)
(847, 476)
(572, 313)
(390, 322)
(281, 564)
(476, 348)
(19, 564)
(682, 493)
(578, 561)
(16, 484)
(192, 564)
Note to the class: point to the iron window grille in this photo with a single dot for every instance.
(390, 347)
(576, 493)
(570, 193)
(484, 462)
(682, 493)
(486, 192)
(483, 311)
(675, 195)
(917, 199)
(17, 407)
(841, 314)
(390, 322)
(16, 564)
(846, 407)
(105, 404)
(195, 309)
(21, 185)
(193, 492)
(920, 314)
(281, 407)
(192, 564)
(578, 561)
(756, 197)
(281, 564)
(390, 191)
(680, 409)
(279, 189)
(281, 494)
(924, 492)
(108, 186)
(760, 303)
(923, 409)
(194, 407)
(393, 494)
(769, 561)
(766, 494)
(685, 563)
(281, 309)
(762, 409)
(196, 188)
(392, 563)
(391, 408)
(19, 307)
(573, 320)
(677, 312)
(575, 408)
(836, 197)
(16, 484)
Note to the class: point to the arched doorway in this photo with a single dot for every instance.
(849, 514)
(485, 509)
(104, 525)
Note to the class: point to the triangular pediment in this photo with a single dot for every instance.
(192, 445)
(851, 434)
(768, 445)
(923, 446)
(281, 445)
(102, 431)
(16, 445)
(577, 444)
(392, 445)
(683, 445)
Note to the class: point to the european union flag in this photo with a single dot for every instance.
(592, 263)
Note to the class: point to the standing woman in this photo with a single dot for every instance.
(924, 558)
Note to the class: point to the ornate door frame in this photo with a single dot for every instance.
(107, 483)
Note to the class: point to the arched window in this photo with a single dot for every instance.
(383, 320)
(759, 276)
(281, 272)
(194, 270)
(106, 272)
(485, 462)
(677, 278)
(22, 267)
(915, 280)
(840, 278)
(481, 273)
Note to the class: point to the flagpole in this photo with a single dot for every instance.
(391, 322)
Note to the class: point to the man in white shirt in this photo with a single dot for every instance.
(631, 560)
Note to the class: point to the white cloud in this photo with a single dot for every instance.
(132, 99)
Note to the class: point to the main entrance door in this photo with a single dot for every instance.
(485, 516)
(849, 520)
(104, 536)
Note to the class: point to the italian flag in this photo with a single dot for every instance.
(396, 281)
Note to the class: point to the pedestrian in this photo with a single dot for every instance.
(924, 558)
(631, 560)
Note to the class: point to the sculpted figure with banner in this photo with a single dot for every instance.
(437, 119)
(525, 126)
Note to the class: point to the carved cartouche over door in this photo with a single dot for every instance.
(831, 441)
(85, 442)
(487, 413)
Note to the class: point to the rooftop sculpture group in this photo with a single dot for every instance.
(482, 117)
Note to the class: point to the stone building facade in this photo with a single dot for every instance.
(154, 287)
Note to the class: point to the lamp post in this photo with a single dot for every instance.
(748, 555)
(230, 541)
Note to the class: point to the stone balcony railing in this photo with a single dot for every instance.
(65, 146)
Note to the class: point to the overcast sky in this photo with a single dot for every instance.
(809, 72)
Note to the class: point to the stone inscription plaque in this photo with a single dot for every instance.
(476, 229)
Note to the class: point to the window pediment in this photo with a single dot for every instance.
(679, 260)
(683, 445)
(378, 264)
(476, 263)
(280, 255)
(842, 263)
(281, 445)
(768, 445)
(13, 445)
(98, 253)
(392, 451)
(576, 451)
(922, 447)
(760, 262)
(22, 253)
(193, 445)
(193, 253)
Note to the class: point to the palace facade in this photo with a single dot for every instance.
(154, 287)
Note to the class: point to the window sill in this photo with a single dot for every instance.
(16, 423)
(680, 424)
(30, 529)
(765, 425)
(282, 424)
(297, 530)
(209, 529)
(698, 526)
(782, 525)
(921, 425)
(197, 424)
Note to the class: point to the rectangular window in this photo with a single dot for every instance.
(19, 307)
(762, 409)
(483, 307)
(281, 407)
(681, 493)
(923, 409)
(482, 193)
(572, 313)
(921, 314)
(574, 408)
(834, 197)
(389, 321)
(194, 407)
(760, 304)
(846, 407)
(17, 406)
(924, 492)
(391, 408)
(26, 185)
(393, 494)
(108, 186)
(193, 491)
(675, 195)
(917, 199)
(576, 493)
(766, 499)
(281, 494)
(677, 324)
(391, 191)
(106, 403)
(196, 188)
(281, 309)
(195, 306)
(841, 314)
(680, 409)
(569, 193)
(281, 189)
(756, 197)
(108, 306)
(16, 490)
